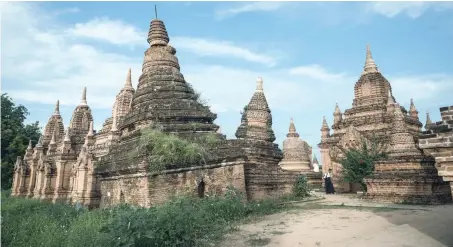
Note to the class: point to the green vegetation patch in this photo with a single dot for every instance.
(182, 221)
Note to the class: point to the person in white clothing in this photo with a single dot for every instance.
(328, 182)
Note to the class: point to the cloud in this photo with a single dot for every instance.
(213, 48)
(248, 7)
(411, 9)
(55, 64)
(112, 31)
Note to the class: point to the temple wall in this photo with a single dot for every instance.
(130, 189)
(261, 179)
(148, 190)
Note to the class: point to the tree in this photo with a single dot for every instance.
(358, 162)
(15, 136)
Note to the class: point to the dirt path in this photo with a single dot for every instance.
(326, 223)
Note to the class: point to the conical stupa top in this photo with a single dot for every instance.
(337, 109)
(315, 160)
(401, 141)
(53, 140)
(84, 97)
(292, 129)
(128, 82)
(259, 84)
(412, 107)
(30, 147)
(324, 123)
(90, 131)
(57, 108)
(428, 121)
(157, 35)
(39, 144)
(66, 136)
(370, 65)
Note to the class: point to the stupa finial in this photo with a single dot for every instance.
(30, 147)
(370, 65)
(428, 121)
(259, 84)
(324, 123)
(57, 108)
(155, 10)
(128, 82)
(84, 96)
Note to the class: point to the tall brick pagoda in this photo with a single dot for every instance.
(407, 176)
(371, 116)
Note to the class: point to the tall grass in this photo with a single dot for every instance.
(163, 149)
(182, 221)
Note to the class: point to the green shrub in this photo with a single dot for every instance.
(301, 187)
(182, 221)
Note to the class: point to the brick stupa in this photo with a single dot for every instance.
(407, 176)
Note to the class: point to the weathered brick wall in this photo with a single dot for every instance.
(407, 181)
(438, 142)
(216, 179)
(131, 189)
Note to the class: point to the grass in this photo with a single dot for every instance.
(182, 221)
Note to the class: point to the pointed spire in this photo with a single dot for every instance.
(402, 143)
(337, 109)
(324, 123)
(57, 108)
(428, 121)
(292, 129)
(315, 160)
(128, 82)
(30, 147)
(84, 97)
(370, 65)
(66, 136)
(39, 144)
(259, 84)
(412, 110)
(157, 35)
(90, 131)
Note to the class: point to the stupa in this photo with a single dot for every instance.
(369, 118)
(296, 152)
(407, 176)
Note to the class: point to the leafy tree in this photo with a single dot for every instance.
(358, 162)
(15, 136)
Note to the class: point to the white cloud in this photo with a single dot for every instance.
(204, 47)
(412, 9)
(54, 65)
(248, 7)
(111, 31)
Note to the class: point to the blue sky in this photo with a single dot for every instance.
(310, 54)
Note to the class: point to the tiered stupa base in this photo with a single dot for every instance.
(408, 182)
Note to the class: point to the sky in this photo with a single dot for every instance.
(309, 54)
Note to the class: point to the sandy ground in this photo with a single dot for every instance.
(356, 224)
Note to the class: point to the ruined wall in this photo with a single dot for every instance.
(131, 189)
(145, 189)
(437, 141)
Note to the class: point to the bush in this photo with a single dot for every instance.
(182, 221)
(163, 149)
(301, 187)
(358, 162)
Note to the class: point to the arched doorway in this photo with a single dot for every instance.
(121, 197)
(200, 189)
